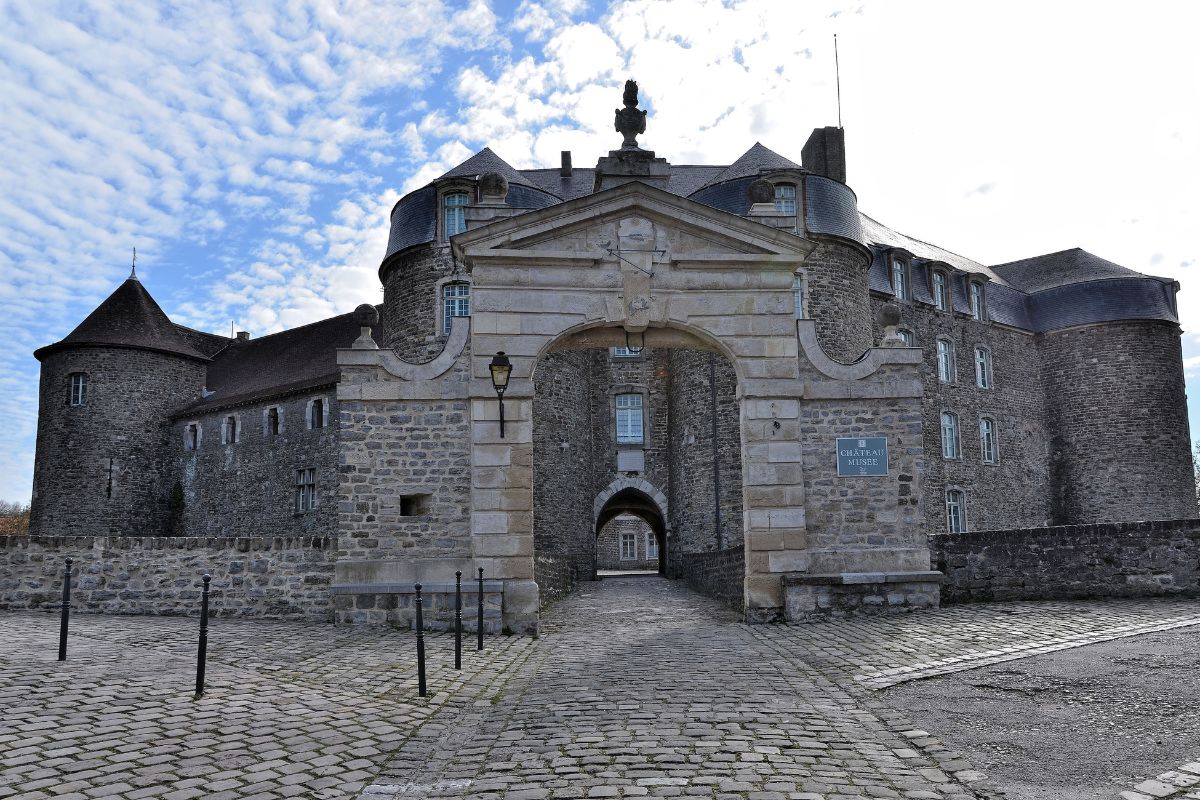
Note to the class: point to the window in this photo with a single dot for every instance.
(956, 511)
(629, 547)
(949, 436)
(272, 427)
(651, 546)
(456, 302)
(941, 297)
(191, 436)
(983, 368)
(945, 361)
(785, 199)
(987, 440)
(78, 388)
(455, 204)
(798, 295)
(900, 278)
(316, 414)
(906, 336)
(229, 430)
(625, 352)
(978, 310)
(306, 490)
(629, 419)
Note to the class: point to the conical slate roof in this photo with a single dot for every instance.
(487, 161)
(128, 318)
(752, 162)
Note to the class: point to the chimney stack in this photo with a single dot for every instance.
(565, 170)
(825, 153)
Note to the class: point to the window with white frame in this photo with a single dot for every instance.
(798, 296)
(900, 279)
(987, 440)
(906, 336)
(950, 449)
(629, 419)
(625, 352)
(651, 546)
(229, 430)
(629, 547)
(978, 309)
(941, 291)
(983, 367)
(456, 302)
(455, 218)
(945, 361)
(785, 199)
(191, 436)
(316, 413)
(78, 388)
(956, 511)
(306, 490)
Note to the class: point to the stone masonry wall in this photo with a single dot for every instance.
(718, 574)
(278, 577)
(1013, 491)
(1136, 559)
(608, 544)
(838, 300)
(691, 496)
(555, 577)
(405, 487)
(412, 309)
(101, 467)
(248, 486)
(644, 374)
(1118, 417)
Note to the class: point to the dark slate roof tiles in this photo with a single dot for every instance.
(753, 162)
(1059, 269)
(486, 161)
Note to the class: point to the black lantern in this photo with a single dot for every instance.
(500, 368)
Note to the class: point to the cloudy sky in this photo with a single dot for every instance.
(251, 151)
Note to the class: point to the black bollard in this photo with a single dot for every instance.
(479, 627)
(202, 650)
(420, 645)
(66, 613)
(458, 619)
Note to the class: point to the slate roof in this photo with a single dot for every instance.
(128, 318)
(1059, 269)
(752, 163)
(486, 161)
(284, 362)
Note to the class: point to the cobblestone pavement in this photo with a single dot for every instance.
(1178, 784)
(638, 687)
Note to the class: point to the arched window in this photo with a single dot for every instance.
(629, 419)
(456, 302)
(454, 205)
(941, 290)
(900, 283)
(950, 449)
(785, 199)
(316, 414)
(978, 308)
(990, 453)
(956, 511)
(945, 361)
(983, 367)
(78, 388)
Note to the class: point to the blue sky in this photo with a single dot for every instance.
(251, 152)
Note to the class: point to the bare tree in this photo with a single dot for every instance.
(14, 518)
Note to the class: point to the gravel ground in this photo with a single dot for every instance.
(1077, 724)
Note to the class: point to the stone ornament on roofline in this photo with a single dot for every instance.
(630, 120)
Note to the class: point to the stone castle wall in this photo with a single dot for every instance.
(102, 467)
(248, 486)
(1136, 559)
(838, 300)
(255, 576)
(412, 308)
(717, 573)
(608, 544)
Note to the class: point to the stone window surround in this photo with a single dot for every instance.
(308, 417)
(188, 428)
(904, 259)
(266, 420)
(962, 508)
(973, 284)
(947, 373)
(306, 491)
(987, 376)
(983, 450)
(630, 388)
(78, 389)
(452, 186)
(947, 288)
(780, 200)
(956, 428)
(236, 437)
(439, 302)
(630, 537)
(800, 294)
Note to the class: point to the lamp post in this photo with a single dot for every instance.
(500, 368)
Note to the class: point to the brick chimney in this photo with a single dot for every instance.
(825, 153)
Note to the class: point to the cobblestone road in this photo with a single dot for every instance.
(638, 687)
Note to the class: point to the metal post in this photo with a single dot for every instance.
(66, 613)
(500, 400)
(458, 619)
(420, 645)
(202, 649)
(479, 627)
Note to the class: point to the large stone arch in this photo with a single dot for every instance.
(621, 484)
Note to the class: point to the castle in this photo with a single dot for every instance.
(725, 372)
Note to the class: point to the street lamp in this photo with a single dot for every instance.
(500, 369)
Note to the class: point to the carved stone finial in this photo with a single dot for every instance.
(889, 318)
(630, 120)
(366, 317)
(493, 186)
(761, 191)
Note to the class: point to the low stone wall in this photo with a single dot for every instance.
(719, 574)
(396, 606)
(272, 577)
(818, 598)
(1132, 559)
(555, 577)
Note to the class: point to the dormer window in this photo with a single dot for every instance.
(454, 205)
(900, 283)
(456, 302)
(978, 309)
(785, 199)
(941, 291)
(78, 388)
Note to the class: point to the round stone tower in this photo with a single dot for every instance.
(106, 395)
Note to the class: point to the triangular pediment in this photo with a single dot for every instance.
(589, 228)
